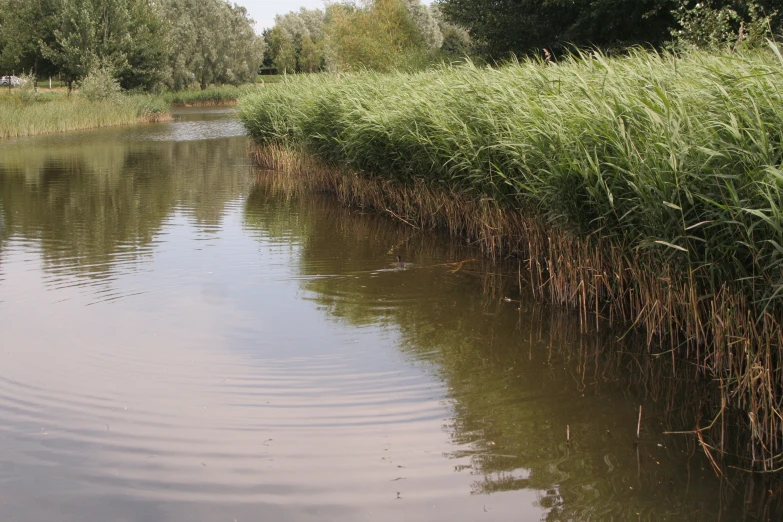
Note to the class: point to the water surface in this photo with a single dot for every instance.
(182, 340)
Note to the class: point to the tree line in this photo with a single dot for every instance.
(388, 34)
(376, 34)
(143, 44)
(502, 27)
(148, 44)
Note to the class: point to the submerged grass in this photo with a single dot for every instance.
(19, 117)
(646, 189)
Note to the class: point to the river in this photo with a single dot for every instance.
(182, 339)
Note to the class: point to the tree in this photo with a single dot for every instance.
(717, 25)
(522, 26)
(26, 27)
(76, 48)
(126, 37)
(304, 30)
(309, 56)
(146, 52)
(502, 27)
(285, 61)
(380, 35)
(210, 41)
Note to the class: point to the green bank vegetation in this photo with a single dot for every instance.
(517, 373)
(58, 114)
(123, 61)
(223, 95)
(645, 189)
(100, 103)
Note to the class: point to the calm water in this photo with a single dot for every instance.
(182, 340)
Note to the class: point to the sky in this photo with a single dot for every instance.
(264, 11)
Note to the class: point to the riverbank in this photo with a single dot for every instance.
(213, 96)
(644, 189)
(60, 114)
(50, 111)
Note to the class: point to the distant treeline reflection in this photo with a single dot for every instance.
(87, 202)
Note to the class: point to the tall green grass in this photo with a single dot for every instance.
(19, 117)
(649, 187)
(221, 95)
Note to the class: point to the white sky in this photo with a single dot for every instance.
(264, 11)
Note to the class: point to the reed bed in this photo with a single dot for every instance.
(212, 96)
(645, 189)
(20, 118)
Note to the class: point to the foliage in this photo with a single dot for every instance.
(381, 36)
(100, 85)
(211, 42)
(123, 35)
(529, 26)
(716, 27)
(456, 42)
(296, 41)
(26, 27)
(523, 26)
(376, 34)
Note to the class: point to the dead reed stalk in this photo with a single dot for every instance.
(592, 275)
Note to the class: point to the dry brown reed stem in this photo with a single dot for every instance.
(716, 332)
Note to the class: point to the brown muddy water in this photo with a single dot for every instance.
(183, 339)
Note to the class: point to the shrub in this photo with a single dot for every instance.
(100, 85)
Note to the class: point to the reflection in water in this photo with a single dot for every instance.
(184, 341)
(519, 373)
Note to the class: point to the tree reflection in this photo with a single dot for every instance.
(88, 202)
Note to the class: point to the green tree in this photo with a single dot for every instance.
(210, 42)
(381, 35)
(521, 26)
(75, 49)
(147, 52)
(126, 37)
(26, 27)
(502, 27)
(285, 60)
(717, 25)
(309, 55)
(304, 29)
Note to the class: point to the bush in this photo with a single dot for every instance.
(705, 27)
(27, 90)
(100, 85)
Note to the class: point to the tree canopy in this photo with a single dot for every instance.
(375, 34)
(502, 27)
(143, 43)
(211, 41)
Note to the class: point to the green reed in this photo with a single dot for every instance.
(645, 188)
(50, 114)
(218, 95)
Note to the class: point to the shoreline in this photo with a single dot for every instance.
(645, 189)
(54, 116)
(583, 275)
